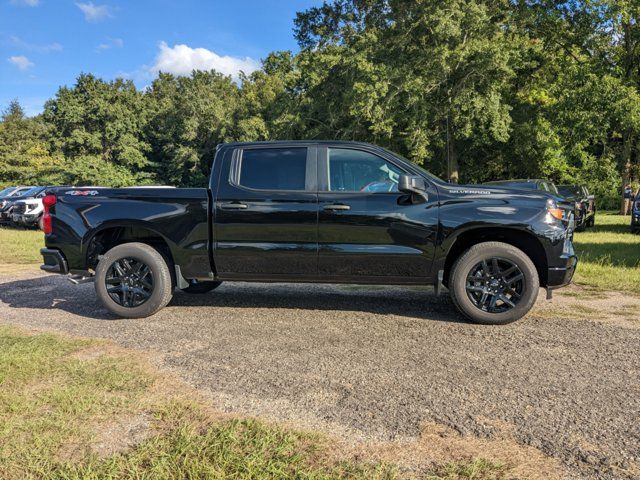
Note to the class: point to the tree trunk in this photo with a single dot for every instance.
(626, 168)
(452, 160)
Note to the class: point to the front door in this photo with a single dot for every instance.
(369, 231)
(266, 214)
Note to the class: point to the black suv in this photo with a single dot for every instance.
(585, 204)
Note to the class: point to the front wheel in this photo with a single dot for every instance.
(494, 283)
(133, 280)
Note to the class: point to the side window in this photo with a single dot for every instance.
(273, 168)
(357, 171)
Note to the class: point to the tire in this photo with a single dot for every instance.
(157, 274)
(201, 287)
(526, 288)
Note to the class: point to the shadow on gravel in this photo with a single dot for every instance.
(406, 302)
(53, 293)
(56, 293)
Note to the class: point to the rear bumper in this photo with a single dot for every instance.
(54, 261)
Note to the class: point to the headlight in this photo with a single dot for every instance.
(554, 210)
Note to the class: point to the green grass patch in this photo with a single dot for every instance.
(20, 246)
(609, 255)
(67, 407)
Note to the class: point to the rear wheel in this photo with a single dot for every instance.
(494, 283)
(133, 280)
(201, 287)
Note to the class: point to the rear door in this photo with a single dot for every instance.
(369, 231)
(266, 213)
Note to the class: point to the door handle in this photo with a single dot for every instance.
(336, 206)
(233, 206)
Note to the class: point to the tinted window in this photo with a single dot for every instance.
(358, 171)
(569, 190)
(274, 168)
(28, 191)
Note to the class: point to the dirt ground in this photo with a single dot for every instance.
(391, 373)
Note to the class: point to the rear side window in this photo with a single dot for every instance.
(273, 168)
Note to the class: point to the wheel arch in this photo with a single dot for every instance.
(112, 234)
(525, 241)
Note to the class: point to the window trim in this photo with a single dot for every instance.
(323, 170)
(310, 179)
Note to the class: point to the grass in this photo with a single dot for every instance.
(83, 409)
(609, 253)
(20, 246)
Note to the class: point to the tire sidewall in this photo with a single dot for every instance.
(485, 251)
(159, 271)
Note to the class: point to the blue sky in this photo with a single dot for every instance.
(46, 43)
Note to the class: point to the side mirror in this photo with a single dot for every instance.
(413, 184)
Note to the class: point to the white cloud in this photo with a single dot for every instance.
(48, 48)
(110, 43)
(94, 13)
(22, 62)
(182, 59)
(26, 3)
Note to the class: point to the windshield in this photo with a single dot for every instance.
(30, 191)
(569, 190)
(6, 191)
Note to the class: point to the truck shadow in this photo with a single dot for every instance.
(52, 292)
(419, 303)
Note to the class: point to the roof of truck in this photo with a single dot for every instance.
(301, 142)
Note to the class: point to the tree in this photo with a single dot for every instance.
(188, 117)
(24, 150)
(103, 121)
(427, 78)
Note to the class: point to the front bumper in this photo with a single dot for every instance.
(25, 219)
(559, 276)
(54, 261)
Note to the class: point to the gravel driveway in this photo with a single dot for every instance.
(379, 363)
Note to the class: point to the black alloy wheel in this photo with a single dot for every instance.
(495, 285)
(129, 282)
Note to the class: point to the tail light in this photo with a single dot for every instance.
(48, 201)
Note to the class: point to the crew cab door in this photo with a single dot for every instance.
(369, 231)
(266, 213)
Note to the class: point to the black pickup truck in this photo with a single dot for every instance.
(315, 211)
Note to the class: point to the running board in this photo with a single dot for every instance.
(78, 279)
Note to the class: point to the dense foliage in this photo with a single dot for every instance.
(473, 90)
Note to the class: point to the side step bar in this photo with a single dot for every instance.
(78, 279)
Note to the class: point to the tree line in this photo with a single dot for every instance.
(472, 90)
